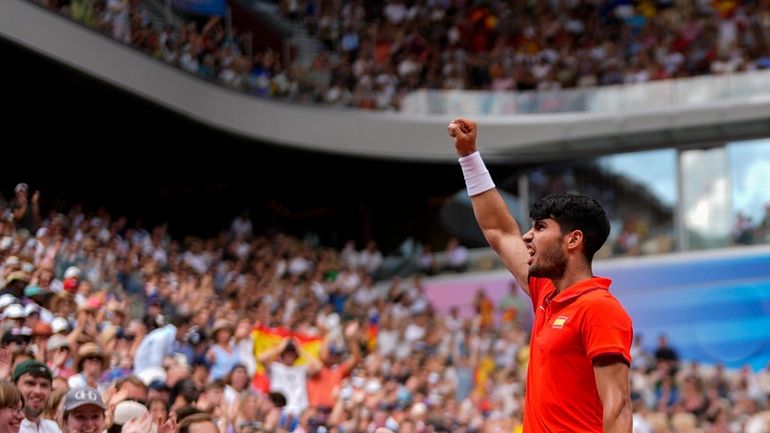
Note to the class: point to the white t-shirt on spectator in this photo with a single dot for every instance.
(45, 426)
(292, 383)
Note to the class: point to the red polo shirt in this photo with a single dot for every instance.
(569, 331)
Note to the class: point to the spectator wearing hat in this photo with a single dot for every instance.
(60, 326)
(222, 355)
(10, 264)
(15, 283)
(84, 411)
(58, 355)
(90, 363)
(34, 379)
(25, 210)
(14, 317)
(31, 316)
(11, 408)
(41, 332)
(63, 305)
(40, 298)
(72, 273)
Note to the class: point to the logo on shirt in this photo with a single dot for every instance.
(559, 322)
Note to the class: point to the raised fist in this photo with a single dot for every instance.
(464, 132)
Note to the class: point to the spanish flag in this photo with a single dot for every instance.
(266, 338)
(371, 334)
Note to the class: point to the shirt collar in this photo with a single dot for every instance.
(581, 288)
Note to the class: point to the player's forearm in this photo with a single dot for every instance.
(493, 216)
(617, 417)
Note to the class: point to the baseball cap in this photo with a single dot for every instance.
(57, 342)
(34, 290)
(21, 186)
(82, 396)
(32, 367)
(72, 272)
(7, 299)
(59, 324)
(14, 311)
(127, 410)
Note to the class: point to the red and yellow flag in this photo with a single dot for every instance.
(266, 338)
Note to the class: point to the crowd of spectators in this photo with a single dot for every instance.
(167, 325)
(377, 52)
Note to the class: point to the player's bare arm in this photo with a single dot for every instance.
(496, 222)
(611, 373)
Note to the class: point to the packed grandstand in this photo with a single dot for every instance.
(372, 54)
(193, 322)
(188, 324)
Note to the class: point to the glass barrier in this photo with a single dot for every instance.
(639, 204)
(750, 197)
(625, 98)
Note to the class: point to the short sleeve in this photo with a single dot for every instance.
(606, 328)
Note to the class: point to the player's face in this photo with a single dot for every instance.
(545, 244)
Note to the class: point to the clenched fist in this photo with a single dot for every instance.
(464, 132)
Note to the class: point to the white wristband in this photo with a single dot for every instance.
(477, 178)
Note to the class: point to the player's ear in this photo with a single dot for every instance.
(574, 239)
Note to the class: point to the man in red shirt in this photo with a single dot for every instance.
(578, 378)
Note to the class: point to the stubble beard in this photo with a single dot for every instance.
(552, 263)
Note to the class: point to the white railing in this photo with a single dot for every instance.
(608, 99)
